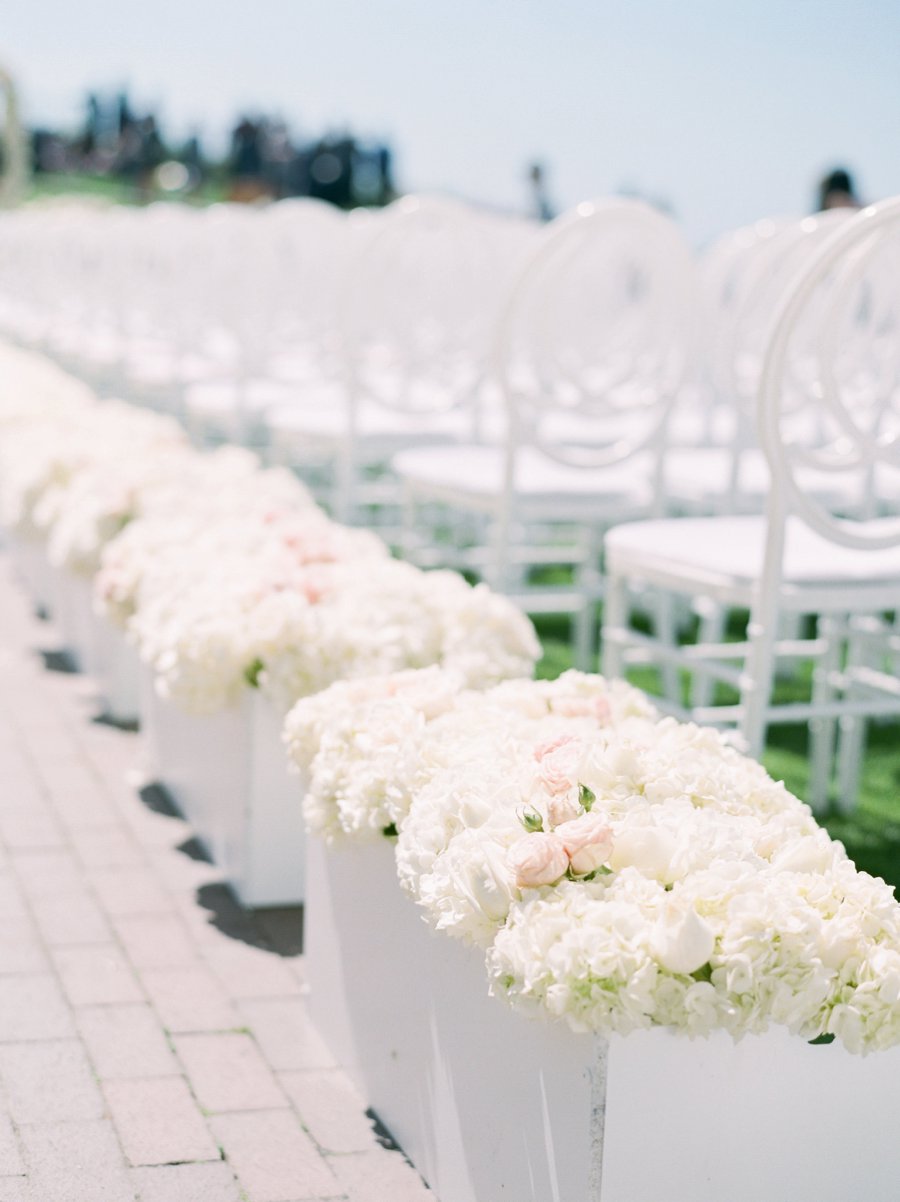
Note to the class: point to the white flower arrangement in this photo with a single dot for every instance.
(216, 507)
(621, 871)
(293, 626)
(42, 459)
(370, 745)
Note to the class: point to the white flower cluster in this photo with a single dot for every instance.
(227, 575)
(73, 474)
(620, 870)
(370, 746)
(294, 625)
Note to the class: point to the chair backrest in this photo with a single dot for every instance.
(311, 243)
(829, 395)
(727, 272)
(420, 304)
(597, 333)
(772, 265)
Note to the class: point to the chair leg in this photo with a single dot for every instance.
(790, 626)
(344, 487)
(822, 730)
(585, 622)
(758, 674)
(664, 614)
(853, 729)
(614, 628)
(408, 542)
(851, 748)
(712, 630)
(590, 587)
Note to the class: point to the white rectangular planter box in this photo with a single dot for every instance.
(228, 774)
(30, 560)
(490, 1106)
(116, 671)
(73, 614)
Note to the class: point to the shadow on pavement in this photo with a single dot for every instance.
(57, 660)
(279, 929)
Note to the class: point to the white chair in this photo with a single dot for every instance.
(272, 280)
(419, 301)
(741, 287)
(591, 351)
(828, 403)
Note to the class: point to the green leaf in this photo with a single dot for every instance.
(588, 876)
(586, 796)
(390, 831)
(531, 819)
(821, 1039)
(252, 671)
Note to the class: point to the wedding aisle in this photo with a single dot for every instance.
(154, 1043)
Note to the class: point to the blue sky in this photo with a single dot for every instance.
(728, 111)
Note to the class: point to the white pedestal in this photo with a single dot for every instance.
(228, 775)
(486, 1105)
(117, 671)
(29, 558)
(73, 613)
(770, 1117)
(491, 1107)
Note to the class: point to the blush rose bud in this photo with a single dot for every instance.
(531, 819)
(562, 808)
(538, 859)
(588, 842)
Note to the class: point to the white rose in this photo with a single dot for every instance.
(682, 942)
(648, 848)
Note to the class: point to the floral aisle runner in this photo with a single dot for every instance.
(626, 879)
(236, 591)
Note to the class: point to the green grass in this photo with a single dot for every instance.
(114, 191)
(871, 833)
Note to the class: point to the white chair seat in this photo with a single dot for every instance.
(731, 550)
(379, 432)
(701, 478)
(222, 400)
(96, 348)
(156, 363)
(478, 472)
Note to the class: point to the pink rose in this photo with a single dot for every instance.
(544, 749)
(274, 515)
(584, 707)
(558, 763)
(588, 842)
(563, 807)
(538, 859)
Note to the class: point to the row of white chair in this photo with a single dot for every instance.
(828, 405)
(522, 390)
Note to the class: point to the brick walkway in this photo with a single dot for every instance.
(154, 1045)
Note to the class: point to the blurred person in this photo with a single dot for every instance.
(246, 163)
(192, 157)
(151, 152)
(277, 156)
(541, 208)
(836, 191)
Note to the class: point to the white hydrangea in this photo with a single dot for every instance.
(370, 745)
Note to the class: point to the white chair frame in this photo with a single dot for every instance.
(847, 686)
